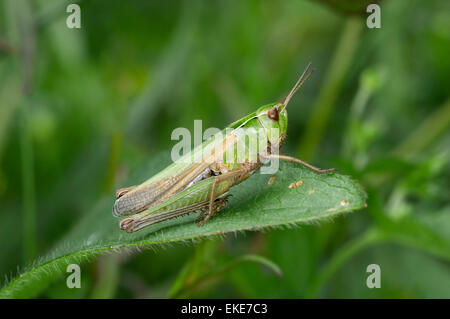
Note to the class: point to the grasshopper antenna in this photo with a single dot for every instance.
(305, 75)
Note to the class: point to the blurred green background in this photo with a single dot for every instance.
(82, 108)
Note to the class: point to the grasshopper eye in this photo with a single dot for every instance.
(273, 114)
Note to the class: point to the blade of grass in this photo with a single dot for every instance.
(406, 231)
(342, 255)
(428, 131)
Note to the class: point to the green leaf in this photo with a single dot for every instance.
(255, 205)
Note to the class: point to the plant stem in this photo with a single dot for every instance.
(357, 108)
(348, 43)
(215, 273)
(19, 20)
(204, 254)
(107, 279)
(28, 187)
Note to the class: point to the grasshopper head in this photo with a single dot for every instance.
(274, 116)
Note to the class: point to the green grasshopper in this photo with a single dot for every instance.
(188, 186)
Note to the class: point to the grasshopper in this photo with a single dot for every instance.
(185, 186)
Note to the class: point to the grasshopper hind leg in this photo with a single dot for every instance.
(122, 191)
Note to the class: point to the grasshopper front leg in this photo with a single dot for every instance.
(296, 160)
